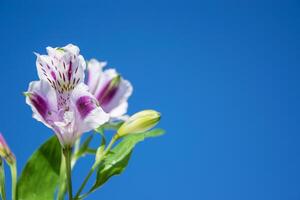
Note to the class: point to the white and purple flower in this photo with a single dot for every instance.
(60, 99)
(109, 88)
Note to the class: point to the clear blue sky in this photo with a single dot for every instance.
(224, 74)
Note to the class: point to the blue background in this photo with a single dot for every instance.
(225, 75)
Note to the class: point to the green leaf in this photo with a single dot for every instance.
(109, 126)
(117, 160)
(41, 173)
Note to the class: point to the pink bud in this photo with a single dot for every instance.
(5, 151)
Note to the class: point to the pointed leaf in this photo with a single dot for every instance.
(109, 126)
(113, 125)
(117, 160)
(41, 173)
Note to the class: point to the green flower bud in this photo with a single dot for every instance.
(139, 122)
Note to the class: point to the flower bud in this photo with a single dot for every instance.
(5, 151)
(139, 122)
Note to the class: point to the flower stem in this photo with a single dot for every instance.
(109, 146)
(2, 179)
(62, 182)
(62, 179)
(13, 170)
(84, 182)
(94, 167)
(67, 153)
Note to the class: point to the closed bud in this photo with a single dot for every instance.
(99, 153)
(5, 151)
(139, 122)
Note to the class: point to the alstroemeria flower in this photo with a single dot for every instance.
(109, 88)
(60, 99)
(5, 151)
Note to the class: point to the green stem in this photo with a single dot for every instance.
(113, 140)
(67, 153)
(62, 182)
(96, 164)
(13, 170)
(84, 182)
(75, 157)
(62, 179)
(2, 179)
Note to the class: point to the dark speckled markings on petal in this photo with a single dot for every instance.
(40, 104)
(85, 105)
(70, 71)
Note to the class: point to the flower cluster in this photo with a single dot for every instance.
(74, 96)
(68, 103)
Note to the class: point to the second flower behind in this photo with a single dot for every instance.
(109, 88)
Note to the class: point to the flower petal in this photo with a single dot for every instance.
(89, 115)
(41, 97)
(63, 67)
(94, 72)
(66, 129)
(119, 111)
(111, 99)
(123, 93)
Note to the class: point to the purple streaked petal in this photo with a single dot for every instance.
(39, 103)
(109, 96)
(113, 100)
(85, 105)
(41, 97)
(120, 97)
(62, 67)
(89, 115)
(109, 91)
